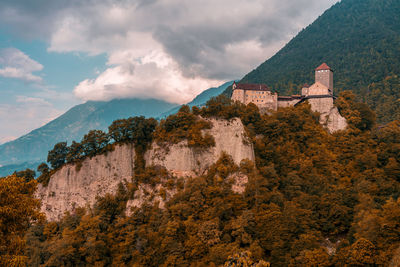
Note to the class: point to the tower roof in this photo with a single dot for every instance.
(324, 66)
(252, 86)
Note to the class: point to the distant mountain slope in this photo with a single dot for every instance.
(201, 99)
(32, 148)
(73, 124)
(359, 39)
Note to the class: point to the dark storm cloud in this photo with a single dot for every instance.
(208, 39)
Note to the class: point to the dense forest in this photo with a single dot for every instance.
(312, 198)
(359, 39)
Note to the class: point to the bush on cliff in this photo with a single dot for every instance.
(312, 199)
(184, 126)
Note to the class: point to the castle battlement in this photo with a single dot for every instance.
(319, 95)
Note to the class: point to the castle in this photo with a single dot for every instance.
(319, 96)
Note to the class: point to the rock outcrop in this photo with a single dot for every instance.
(329, 114)
(76, 186)
(182, 160)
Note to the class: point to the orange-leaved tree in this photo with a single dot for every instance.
(18, 210)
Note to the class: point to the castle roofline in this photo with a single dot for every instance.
(289, 98)
(252, 87)
(324, 66)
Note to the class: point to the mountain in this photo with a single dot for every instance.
(201, 99)
(73, 124)
(31, 149)
(359, 39)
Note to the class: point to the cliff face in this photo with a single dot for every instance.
(330, 116)
(229, 136)
(72, 187)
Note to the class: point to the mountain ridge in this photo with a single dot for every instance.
(81, 118)
(73, 124)
(358, 39)
(202, 98)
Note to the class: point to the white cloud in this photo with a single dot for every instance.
(16, 64)
(32, 100)
(168, 49)
(27, 114)
(156, 76)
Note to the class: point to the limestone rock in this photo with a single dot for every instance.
(72, 187)
(230, 137)
(329, 114)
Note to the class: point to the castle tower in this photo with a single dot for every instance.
(324, 75)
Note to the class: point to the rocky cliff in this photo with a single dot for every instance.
(329, 114)
(78, 185)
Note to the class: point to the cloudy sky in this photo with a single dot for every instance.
(55, 54)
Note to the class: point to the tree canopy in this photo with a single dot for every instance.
(311, 199)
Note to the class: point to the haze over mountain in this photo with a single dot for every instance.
(201, 99)
(228, 185)
(359, 39)
(31, 149)
(73, 124)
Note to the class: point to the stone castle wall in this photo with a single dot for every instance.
(319, 95)
(265, 100)
(325, 77)
(284, 103)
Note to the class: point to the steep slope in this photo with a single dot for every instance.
(73, 124)
(311, 199)
(74, 186)
(359, 39)
(201, 99)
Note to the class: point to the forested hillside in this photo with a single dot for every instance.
(360, 40)
(312, 199)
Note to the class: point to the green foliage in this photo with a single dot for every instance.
(384, 97)
(359, 40)
(184, 126)
(94, 142)
(57, 155)
(45, 173)
(43, 168)
(136, 129)
(311, 199)
(75, 152)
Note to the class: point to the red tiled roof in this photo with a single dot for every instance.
(252, 86)
(323, 66)
(306, 85)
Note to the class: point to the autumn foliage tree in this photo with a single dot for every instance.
(310, 198)
(18, 211)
